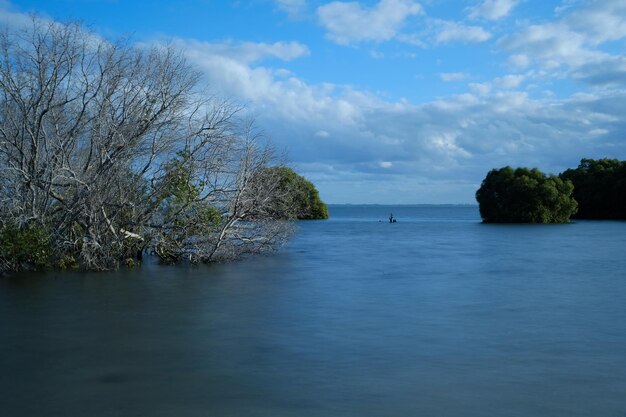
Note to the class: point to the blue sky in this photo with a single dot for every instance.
(398, 101)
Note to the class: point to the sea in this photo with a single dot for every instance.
(436, 315)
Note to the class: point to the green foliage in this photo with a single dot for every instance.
(300, 199)
(176, 185)
(131, 263)
(25, 247)
(525, 195)
(210, 216)
(184, 211)
(599, 188)
(67, 261)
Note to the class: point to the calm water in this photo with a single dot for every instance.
(436, 315)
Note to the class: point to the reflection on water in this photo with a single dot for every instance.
(436, 315)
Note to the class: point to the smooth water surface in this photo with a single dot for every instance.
(436, 315)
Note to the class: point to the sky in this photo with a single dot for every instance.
(397, 101)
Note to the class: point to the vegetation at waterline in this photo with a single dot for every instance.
(525, 195)
(26, 245)
(596, 189)
(599, 188)
(300, 200)
(108, 151)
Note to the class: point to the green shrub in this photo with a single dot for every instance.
(599, 188)
(300, 199)
(67, 261)
(131, 263)
(26, 247)
(525, 195)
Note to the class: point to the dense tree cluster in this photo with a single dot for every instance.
(525, 195)
(599, 188)
(107, 151)
(300, 199)
(596, 189)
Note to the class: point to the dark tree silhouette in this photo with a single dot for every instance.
(599, 188)
(525, 195)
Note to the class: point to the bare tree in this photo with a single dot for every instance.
(117, 150)
(225, 213)
(248, 224)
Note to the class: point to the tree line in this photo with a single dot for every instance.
(109, 151)
(596, 189)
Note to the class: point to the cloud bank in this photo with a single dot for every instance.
(349, 22)
(556, 94)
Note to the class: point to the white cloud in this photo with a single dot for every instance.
(12, 19)
(598, 132)
(481, 89)
(600, 21)
(565, 5)
(448, 31)
(573, 44)
(551, 45)
(610, 71)
(293, 8)
(509, 82)
(352, 22)
(349, 140)
(494, 87)
(234, 74)
(377, 55)
(455, 137)
(452, 76)
(250, 52)
(519, 60)
(353, 142)
(437, 142)
(492, 9)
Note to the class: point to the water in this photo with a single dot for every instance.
(436, 315)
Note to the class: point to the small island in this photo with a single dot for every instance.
(594, 190)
